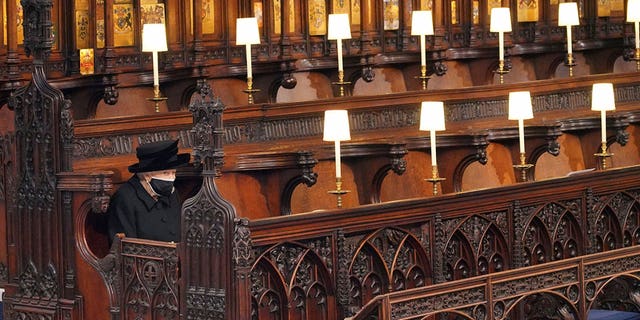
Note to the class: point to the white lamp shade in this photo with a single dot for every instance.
(500, 20)
(336, 125)
(633, 11)
(568, 14)
(602, 97)
(520, 107)
(247, 31)
(421, 23)
(432, 116)
(339, 26)
(154, 37)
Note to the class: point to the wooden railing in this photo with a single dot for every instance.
(353, 255)
(566, 289)
(559, 248)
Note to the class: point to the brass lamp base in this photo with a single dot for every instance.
(502, 71)
(157, 98)
(602, 156)
(250, 90)
(338, 192)
(250, 93)
(636, 58)
(435, 179)
(424, 78)
(523, 167)
(341, 83)
(570, 63)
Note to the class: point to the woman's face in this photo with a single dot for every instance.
(169, 174)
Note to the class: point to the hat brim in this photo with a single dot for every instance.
(177, 161)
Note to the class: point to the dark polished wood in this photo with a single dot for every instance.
(333, 262)
(551, 290)
(260, 237)
(194, 54)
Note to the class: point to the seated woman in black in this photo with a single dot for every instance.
(147, 206)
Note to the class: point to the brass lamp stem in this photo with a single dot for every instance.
(423, 77)
(338, 192)
(570, 63)
(157, 97)
(501, 71)
(603, 155)
(341, 83)
(250, 90)
(435, 179)
(523, 167)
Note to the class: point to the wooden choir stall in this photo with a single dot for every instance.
(558, 247)
(515, 220)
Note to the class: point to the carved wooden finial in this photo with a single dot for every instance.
(37, 25)
(207, 130)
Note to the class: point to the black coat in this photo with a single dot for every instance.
(135, 213)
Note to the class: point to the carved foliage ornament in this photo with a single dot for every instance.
(33, 284)
(242, 246)
(432, 304)
(7, 158)
(205, 303)
(66, 123)
(102, 147)
(4, 273)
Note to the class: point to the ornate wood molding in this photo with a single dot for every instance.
(303, 121)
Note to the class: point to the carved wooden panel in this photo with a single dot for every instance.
(551, 231)
(149, 280)
(386, 260)
(616, 220)
(484, 236)
(551, 291)
(294, 280)
(477, 245)
(7, 183)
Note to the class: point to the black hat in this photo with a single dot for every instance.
(160, 155)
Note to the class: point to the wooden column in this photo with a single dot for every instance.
(42, 275)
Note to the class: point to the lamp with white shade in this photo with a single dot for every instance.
(247, 33)
(422, 25)
(603, 100)
(339, 29)
(154, 40)
(633, 15)
(520, 108)
(432, 120)
(568, 16)
(500, 23)
(336, 129)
